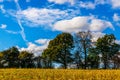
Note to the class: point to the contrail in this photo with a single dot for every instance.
(19, 22)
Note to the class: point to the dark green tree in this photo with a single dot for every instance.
(26, 59)
(59, 49)
(10, 57)
(107, 47)
(78, 60)
(93, 58)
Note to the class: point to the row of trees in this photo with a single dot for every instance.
(68, 51)
(79, 51)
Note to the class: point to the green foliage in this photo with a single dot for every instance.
(59, 49)
(26, 59)
(107, 47)
(93, 58)
(10, 57)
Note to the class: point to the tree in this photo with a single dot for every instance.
(77, 59)
(93, 58)
(116, 60)
(48, 56)
(26, 59)
(10, 57)
(59, 49)
(107, 48)
(85, 43)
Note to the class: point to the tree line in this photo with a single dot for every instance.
(68, 51)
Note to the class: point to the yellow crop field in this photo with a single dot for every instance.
(58, 74)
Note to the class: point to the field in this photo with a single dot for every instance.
(58, 74)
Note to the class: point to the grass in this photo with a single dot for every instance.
(58, 74)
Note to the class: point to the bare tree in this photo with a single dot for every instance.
(84, 39)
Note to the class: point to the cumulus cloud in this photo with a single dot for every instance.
(42, 16)
(116, 17)
(96, 35)
(42, 41)
(118, 42)
(62, 1)
(97, 2)
(87, 5)
(82, 23)
(1, 0)
(115, 3)
(37, 49)
(3, 26)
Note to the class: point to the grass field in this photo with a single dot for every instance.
(58, 74)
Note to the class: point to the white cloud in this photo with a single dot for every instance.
(82, 23)
(115, 3)
(87, 5)
(2, 8)
(100, 25)
(96, 35)
(12, 32)
(42, 41)
(42, 16)
(116, 17)
(62, 1)
(1, 0)
(97, 2)
(118, 42)
(36, 49)
(3, 26)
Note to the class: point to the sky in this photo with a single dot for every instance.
(31, 24)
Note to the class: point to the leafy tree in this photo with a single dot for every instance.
(85, 43)
(107, 48)
(26, 59)
(38, 60)
(48, 56)
(116, 60)
(10, 56)
(1, 60)
(93, 58)
(59, 49)
(77, 59)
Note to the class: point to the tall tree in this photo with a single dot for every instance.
(107, 48)
(78, 59)
(85, 43)
(93, 58)
(59, 49)
(26, 59)
(11, 57)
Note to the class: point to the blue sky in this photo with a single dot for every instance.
(31, 24)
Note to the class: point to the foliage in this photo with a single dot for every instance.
(107, 47)
(85, 43)
(59, 49)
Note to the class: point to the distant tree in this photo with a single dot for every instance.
(48, 56)
(38, 60)
(1, 60)
(59, 49)
(10, 57)
(93, 58)
(107, 48)
(85, 43)
(78, 60)
(116, 60)
(26, 59)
